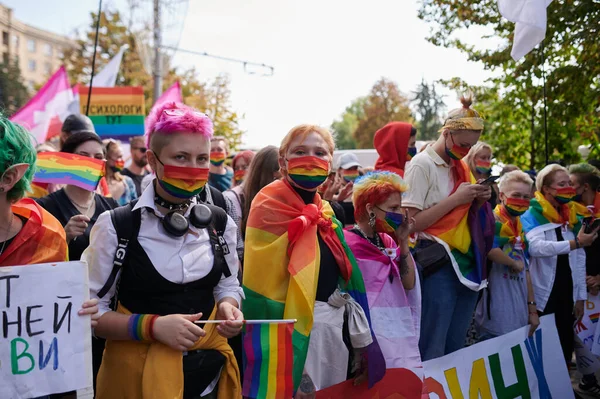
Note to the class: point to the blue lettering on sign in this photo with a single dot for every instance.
(534, 349)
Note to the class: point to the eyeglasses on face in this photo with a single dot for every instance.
(140, 149)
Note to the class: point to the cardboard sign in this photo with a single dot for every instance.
(46, 345)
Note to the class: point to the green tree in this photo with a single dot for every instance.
(428, 106)
(13, 93)
(344, 128)
(384, 104)
(513, 99)
(213, 98)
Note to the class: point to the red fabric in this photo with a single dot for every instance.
(104, 190)
(313, 214)
(391, 143)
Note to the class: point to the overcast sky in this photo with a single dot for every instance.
(325, 52)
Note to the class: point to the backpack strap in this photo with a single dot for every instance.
(127, 225)
(217, 198)
(216, 232)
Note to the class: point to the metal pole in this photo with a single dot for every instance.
(545, 106)
(157, 58)
(87, 108)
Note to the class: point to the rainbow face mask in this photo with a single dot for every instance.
(564, 195)
(308, 172)
(456, 152)
(390, 223)
(119, 165)
(238, 175)
(516, 206)
(483, 167)
(182, 182)
(350, 175)
(217, 158)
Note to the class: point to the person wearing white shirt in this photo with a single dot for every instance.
(173, 272)
(557, 257)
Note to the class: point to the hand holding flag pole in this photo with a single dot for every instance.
(277, 321)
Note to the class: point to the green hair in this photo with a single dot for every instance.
(16, 147)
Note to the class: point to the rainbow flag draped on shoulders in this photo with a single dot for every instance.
(281, 269)
(41, 240)
(541, 213)
(65, 168)
(467, 233)
(507, 231)
(592, 211)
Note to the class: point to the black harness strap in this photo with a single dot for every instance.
(127, 225)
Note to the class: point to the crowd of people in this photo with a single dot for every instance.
(383, 266)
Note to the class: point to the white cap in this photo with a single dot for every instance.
(348, 160)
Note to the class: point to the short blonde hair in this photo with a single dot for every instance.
(476, 149)
(221, 138)
(546, 175)
(516, 176)
(302, 131)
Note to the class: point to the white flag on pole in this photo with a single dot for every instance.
(107, 77)
(530, 21)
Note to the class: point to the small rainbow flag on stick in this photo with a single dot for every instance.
(269, 361)
(64, 168)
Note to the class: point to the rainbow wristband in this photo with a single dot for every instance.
(140, 327)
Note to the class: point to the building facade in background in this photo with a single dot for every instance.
(38, 51)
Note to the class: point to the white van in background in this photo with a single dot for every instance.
(366, 157)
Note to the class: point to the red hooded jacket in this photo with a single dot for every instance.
(391, 143)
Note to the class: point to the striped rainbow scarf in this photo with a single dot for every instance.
(541, 212)
(281, 269)
(468, 233)
(507, 231)
(41, 240)
(591, 211)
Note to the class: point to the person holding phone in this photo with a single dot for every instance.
(479, 160)
(556, 246)
(455, 225)
(586, 181)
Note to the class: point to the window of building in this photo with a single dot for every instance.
(48, 49)
(15, 42)
(32, 65)
(5, 38)
(31, 45)
(5, 58)
(47, 68)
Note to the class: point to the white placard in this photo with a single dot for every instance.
(510, 366)
(45, 346)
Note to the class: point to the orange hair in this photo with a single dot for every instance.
(302, 131)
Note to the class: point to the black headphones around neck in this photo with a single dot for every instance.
(176, 225)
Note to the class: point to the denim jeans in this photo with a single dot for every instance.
(446, 315)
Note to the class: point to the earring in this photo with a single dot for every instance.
(372, 220)
(1, 189)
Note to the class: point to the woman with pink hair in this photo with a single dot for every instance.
(170, 256)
